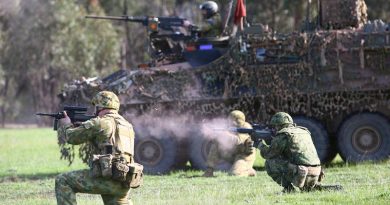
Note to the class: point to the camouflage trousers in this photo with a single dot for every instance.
(242, 164)
(70, 183)
(285, 175)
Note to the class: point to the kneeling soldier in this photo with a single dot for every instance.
(242, 155)
(111, 164)
(291, 158)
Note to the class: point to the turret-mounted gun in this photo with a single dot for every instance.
(164, 36)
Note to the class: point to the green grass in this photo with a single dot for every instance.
(29, 162)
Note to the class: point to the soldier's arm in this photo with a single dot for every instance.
(87, 131)
(277, 147)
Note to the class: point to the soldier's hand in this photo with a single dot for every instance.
(261, 144)
(187, 23)
(249, 149)
(66, 120)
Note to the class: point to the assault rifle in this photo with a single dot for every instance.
(257, 133)
(75, 113)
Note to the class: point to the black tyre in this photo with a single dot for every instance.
(320, 137)
(364, 136)
(157, 155)
(199, 149)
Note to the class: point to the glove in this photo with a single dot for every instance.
(261, 144)
(249, 148)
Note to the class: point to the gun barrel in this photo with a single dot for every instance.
(139, 19)
(47, 114)
(105, 17)
(244, 130)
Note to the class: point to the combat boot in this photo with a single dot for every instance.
(209, 172)
(252, 172)
(288, 189)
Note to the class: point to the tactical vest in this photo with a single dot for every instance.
(300, 149)
(122, 138)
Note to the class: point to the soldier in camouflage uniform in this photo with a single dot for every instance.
(110, 135)
(212, 26)
(242, 155)
(291, 158)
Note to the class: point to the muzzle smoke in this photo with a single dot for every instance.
(183, 127)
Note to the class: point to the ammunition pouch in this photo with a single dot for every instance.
(119, 171)
(129, 174)
(135, 176)
(101, 166)
(94, 165)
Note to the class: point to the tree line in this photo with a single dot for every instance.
(44, 44)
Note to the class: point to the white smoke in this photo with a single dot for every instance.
(183, 126)
(218, 129)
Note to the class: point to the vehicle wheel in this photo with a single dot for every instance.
(199, 149)
(157, 155)
(364, 136)
(320, 137)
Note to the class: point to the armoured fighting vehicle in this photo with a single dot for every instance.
(333, 77)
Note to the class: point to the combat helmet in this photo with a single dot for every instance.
(210, 7)
(280, 119)
(106, 99)
(237, 116)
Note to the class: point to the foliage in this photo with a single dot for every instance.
(28, 178)
(50, 43)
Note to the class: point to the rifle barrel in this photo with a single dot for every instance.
(55, 115)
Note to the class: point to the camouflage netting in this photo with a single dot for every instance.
(338, 14)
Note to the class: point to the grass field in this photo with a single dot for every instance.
(29, 162)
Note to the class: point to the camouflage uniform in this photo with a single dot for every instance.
(212, 27)
(107, 134)
(242, 155)
(291, 158)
